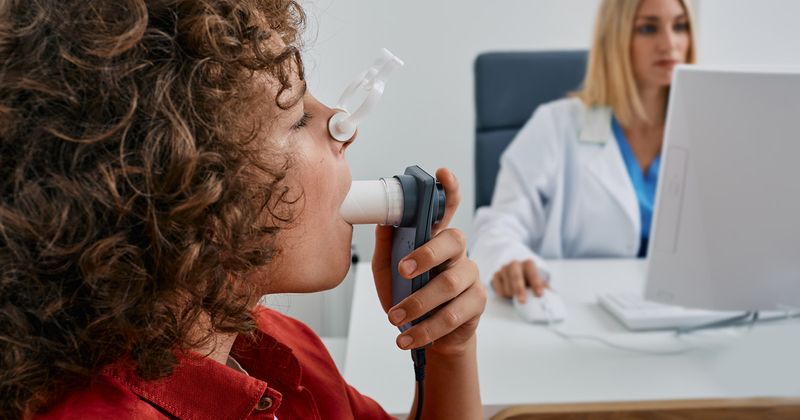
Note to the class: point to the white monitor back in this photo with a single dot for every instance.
(726, 229)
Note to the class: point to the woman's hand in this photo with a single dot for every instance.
(455, 294)
(512, 279)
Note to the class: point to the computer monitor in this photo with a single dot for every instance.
(726, 228)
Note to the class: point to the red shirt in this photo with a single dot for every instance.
(292, 377)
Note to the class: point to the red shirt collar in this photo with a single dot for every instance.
(185, 393)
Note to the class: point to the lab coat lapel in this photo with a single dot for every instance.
(607, 165)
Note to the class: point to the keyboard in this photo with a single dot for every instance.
(638, 314)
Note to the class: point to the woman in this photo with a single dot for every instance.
(579, 179)
(161, 167)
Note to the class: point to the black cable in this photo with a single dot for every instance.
(749, 319)
(744, 318)
(420, 393)
(753, 320)
(788, 315)
(418, 356)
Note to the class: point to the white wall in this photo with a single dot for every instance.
(426, 116)
(427, 113)
(749, 32)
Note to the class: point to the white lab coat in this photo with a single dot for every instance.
(562, 192)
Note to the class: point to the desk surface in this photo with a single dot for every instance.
(521, 363)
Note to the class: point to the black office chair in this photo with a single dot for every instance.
(508, 88)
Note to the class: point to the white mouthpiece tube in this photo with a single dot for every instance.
(374, 202)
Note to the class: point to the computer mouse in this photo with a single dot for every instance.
(541, 310)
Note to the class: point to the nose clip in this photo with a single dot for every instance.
(343, 124)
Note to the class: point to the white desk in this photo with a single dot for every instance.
(523, 363)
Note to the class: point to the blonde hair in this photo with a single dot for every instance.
(609, 77)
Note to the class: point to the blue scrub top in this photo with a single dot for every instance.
(644, 183)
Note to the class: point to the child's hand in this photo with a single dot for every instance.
(456, 293)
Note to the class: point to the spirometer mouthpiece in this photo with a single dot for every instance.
(374, 202)
(343, 124)
(411, 199)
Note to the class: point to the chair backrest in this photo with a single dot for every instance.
(508, 88)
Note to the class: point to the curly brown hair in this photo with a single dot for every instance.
(134, 180)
